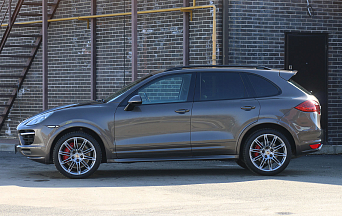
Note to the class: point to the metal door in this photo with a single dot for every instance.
(307, 53)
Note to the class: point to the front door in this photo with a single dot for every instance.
(307, 53)
(160, 127)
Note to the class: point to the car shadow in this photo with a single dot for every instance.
(322, 169)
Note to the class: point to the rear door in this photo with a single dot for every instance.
(222, 108)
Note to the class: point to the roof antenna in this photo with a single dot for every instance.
(310, 9)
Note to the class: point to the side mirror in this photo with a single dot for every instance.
(134, 101)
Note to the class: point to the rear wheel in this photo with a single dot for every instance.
(267, 152)
(77, 155)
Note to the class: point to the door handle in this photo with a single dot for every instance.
(182, 111)
(248, 108)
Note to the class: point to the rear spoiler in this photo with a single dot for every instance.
(287, 74)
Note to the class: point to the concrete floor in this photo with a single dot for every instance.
(8, 144)
(311, 185)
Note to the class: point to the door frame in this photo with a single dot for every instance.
(286, 67)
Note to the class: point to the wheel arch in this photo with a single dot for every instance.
(82, 129)
(264, 126)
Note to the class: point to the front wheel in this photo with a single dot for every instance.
(267, 152)
(77, 155)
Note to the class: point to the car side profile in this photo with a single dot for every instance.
(256, 116)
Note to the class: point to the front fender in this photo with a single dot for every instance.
(104, 135)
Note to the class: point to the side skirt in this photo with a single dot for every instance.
(210, 157)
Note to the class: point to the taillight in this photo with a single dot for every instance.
(309, 106)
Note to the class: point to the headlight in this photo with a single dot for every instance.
(38, 118)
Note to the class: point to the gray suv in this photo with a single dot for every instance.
(256, 116)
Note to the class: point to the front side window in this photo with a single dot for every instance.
(168, 89)
(221, 86)
(126, 88)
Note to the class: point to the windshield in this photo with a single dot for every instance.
(126, 88)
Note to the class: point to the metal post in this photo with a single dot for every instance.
(45, 54)
(93, 51)
(225, 32)
(9, 13)
(134, 40)
(186, 34)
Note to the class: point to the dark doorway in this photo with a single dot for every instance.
(307, 53)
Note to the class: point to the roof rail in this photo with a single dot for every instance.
(206, 66)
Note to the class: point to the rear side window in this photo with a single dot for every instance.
(263, 87)
(221, 86)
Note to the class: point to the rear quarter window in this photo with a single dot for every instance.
(263, 87)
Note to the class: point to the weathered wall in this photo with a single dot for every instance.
(160, 37)
(256, 37)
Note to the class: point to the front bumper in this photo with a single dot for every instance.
(33, 143)
(35, 153)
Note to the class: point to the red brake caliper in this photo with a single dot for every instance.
(65, 157)
(256, 154)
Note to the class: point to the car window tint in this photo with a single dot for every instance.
(263, 87)
(169, 89)
(221, 86)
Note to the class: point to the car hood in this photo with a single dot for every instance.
(87, 103)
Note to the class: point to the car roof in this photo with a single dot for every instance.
(285, 74)
(219, 66)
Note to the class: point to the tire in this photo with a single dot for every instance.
(267, 152)
(241, 163)
(77, 155)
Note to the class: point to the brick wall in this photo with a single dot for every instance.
(160, 37)
(256, 37)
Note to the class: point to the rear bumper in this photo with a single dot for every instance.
(313, 150)
(306, 130)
